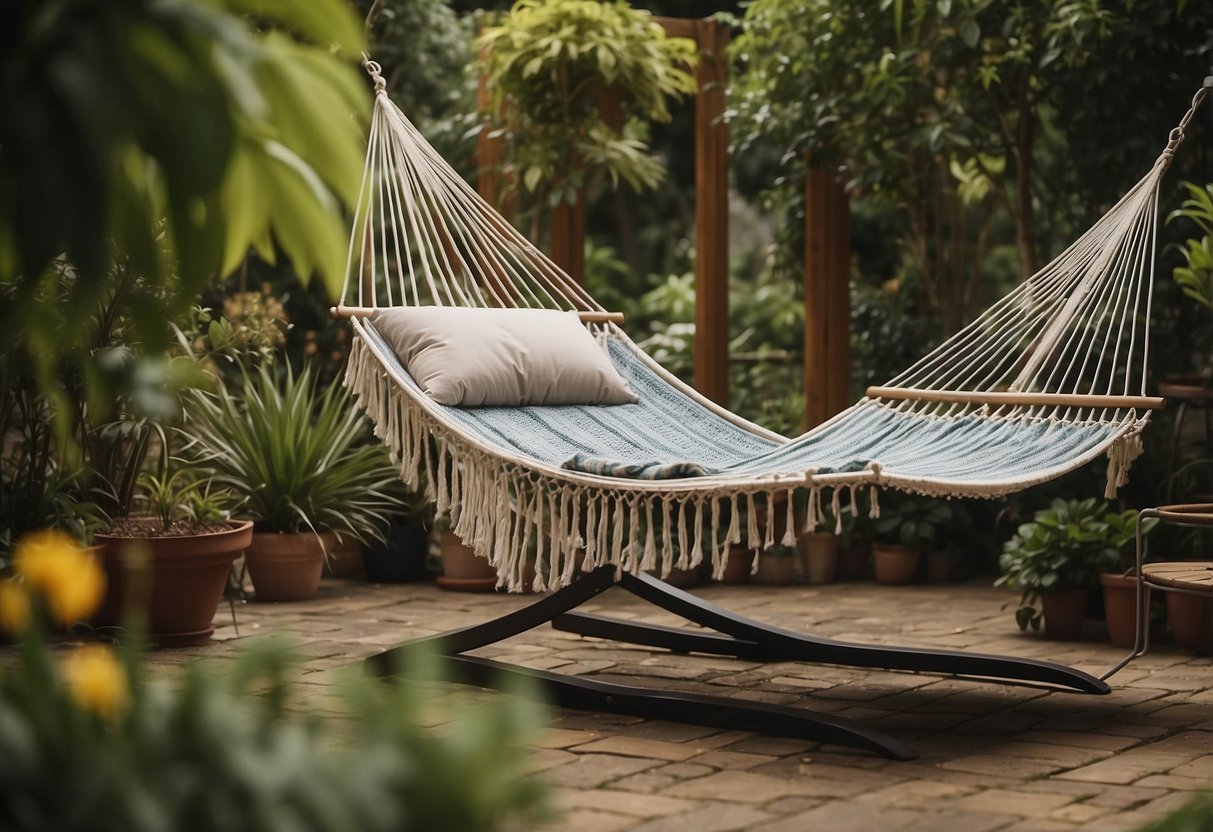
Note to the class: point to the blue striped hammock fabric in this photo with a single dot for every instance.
(506, 470)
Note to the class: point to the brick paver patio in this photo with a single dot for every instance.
(994, 757)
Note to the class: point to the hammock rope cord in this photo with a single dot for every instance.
(1047, 379)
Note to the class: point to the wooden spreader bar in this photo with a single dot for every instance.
(1007, 398)
(367, 311)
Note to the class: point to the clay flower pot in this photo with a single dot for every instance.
(179, 581)
(1064, 612)
(738, 564)
(286, 567)
(1190, 620)
(1120, 608)
(894, 564)
(818, 556)
(774, 568)
(462, 569)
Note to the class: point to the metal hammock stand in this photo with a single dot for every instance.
(1049, 378)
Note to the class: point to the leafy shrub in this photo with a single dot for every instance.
(89, 742)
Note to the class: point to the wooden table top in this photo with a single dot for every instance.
(1196, 575)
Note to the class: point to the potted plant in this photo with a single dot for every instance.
(462, 569)
(738, 565)
(305, 473)
(171, 561)
(776, 566)
(401, 556)
(907, 528)
(1118, 584)
(1056, 559)
(819, 549)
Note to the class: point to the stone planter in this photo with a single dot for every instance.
(286, 567)
(177, 581)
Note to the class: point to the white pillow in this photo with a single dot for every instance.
(509, 357)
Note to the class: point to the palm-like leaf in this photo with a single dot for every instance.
(298, 456)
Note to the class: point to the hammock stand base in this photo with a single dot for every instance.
(736, 636)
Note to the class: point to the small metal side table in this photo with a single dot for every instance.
(1193, 577)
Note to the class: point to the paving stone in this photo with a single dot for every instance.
(719, 817)
(610, 800)
(916, 793)
(591, 770)
(563, 738)
(587, 820)
(1009, 802)
(1079, 812)
(748, 787)
(731, 759)
(840, 816)
(641, 747)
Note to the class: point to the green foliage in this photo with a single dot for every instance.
(296, 457)
(1064, 547)
(1194, 816)
(227, 748)
(174, 135)
(1195, 277)
(955, 114)
(549, 63)
(917, 523)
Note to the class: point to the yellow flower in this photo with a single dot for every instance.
(70, 580)
(14, 608)
(97, 680)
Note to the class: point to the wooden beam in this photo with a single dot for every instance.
(1000, 399)
(711, 349)
(587, 317)
(827, 297)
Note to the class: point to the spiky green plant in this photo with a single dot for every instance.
(296, 455)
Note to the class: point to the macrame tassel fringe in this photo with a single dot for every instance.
(1121, 455)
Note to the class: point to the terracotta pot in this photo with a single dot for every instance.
(853, 560)
(1064, 612)
(774, 569)
(684, 578)
(738, 564)
(345, 560)
(1190, 619)
(818, 556)
(1120, 608)
(286, 567)
(937, 566)
(178, 581)
(462, 569)
(399, 558)
(894, 564)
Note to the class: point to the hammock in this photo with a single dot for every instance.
(1049, 378)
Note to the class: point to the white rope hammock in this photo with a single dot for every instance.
(1050, 377)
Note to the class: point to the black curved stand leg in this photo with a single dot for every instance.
(746, 638)
(592, 694)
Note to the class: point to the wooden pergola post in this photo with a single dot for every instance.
(827, 297)
(711, 348)
(566, 243)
